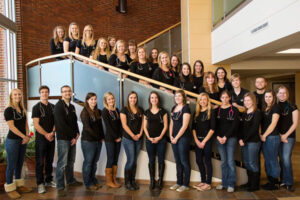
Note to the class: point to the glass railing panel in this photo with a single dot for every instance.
(90, 79)
(175, 35)
(218, 11)
(56, 74)
(33, 81)
(230, 5)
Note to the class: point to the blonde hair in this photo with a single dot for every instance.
(115, 50)
(198, 106)
(253, 99)
(286, 90)
(106, 95)
(21, 103)
(235, 75)
(70, 31)
(159, 59)
(205, 84)
(84, 37)
(97, 51)
(55, 35)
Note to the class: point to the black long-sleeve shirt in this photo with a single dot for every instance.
(65, 121)
(112, 124)
(251, 122)
(227, 121)
(92, 129)
(202, 125)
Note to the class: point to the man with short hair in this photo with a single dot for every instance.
(261, 85)
(67, 133)
(43, 122)
(237, 94)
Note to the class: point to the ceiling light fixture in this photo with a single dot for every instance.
(290, 51)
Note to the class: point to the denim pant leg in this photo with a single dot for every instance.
(129, 148)
(245, 156)
(89, 151)
(95, 161)
(151, 151)
(179, 167)
(230, 149)
(270, 150)
(63, 147)
(137, 149)
(49, 161)
(207, 157)
(161, 151)
(199, 160)
(184, 151)
(40, 152)
(285, 161)
(253, 149)
(224, 166)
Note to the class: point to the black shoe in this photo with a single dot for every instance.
(128, 180)
(161, 170)
(290, 188)
(272, 184)
(254, 182)
(247, 185)
(152, 176)
(61, 193)
(133, 183)
(75, 183)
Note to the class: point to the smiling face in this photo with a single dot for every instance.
(154, 99)
(203, 102)
(121, 47)
(260, 83)
(60, 32)
(110, 101)
(248, 102)
(174, 61)
(164, 59)
(236, 83)
(225, 99)
(198, 67)
(102, 44)
(178, 98)
(92, 102)
(74, 29)
(16, 96)
(141, 53)
(186, 70)
(221, 74)
(132, 100)
(210, 80)
(282, 94)
(66, 93)
(44, 94)
(268, 98)
(112, 42)
(132, 48)
(154, 53)
(88, 31)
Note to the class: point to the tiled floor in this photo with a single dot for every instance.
(105, 193)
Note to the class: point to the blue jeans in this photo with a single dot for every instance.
(15, 152)
(205, 171)
(91, 154)
(159, 147)
(181, 152)
(65, 163)
(270, 149)
(285, 154)
(250, 156)
(228, 165)
(132, 150)
(113, 151)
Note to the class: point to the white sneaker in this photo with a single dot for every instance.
(50, 184)
(230, 189)
(175, 187)
(219, 187)
(41, 189)
(182, 189)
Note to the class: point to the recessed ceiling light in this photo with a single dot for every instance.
(290, 51)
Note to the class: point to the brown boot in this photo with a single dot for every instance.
(20, 186)
(114, 174)
(108, 177)
(10, 190)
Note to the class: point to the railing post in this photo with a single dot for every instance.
(72, 77)
(121, 90)
(40, 70)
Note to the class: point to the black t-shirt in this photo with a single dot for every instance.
(238, 99)
(155, 122)
(56, 49)
(259, 99)
(72, 43)
(286, 117)
(46, 118)
(19, 121)
(84, 49)
(92, 129)
(177, 118)
(227, 121)
(102, 58)
(112, 124)
(145, 69)
(267, 120)
(215, 95)
(202, 125)
(115, 61)
(134, 122)
(251, 122)
(227, 87)
(187, 84)
(155, 66)
(198, 82)
(163, 76)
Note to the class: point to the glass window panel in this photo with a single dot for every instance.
(3, 54)
(230, 5)
(218, 11)
(3, 7)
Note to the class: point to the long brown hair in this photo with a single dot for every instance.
(92, 113)
(253, 99)
(198, 106)
(215, 84)
(181, 74)
(136, 105)
(149, 102)
(264, 103)
(150, 55)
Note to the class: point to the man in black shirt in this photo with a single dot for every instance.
(260, 84)
(43, 121)
(67, 134)
(237, 94)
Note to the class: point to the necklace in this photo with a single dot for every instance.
(113, 114)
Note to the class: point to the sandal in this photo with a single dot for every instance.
(199, 185)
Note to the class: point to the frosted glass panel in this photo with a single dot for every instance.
(33, 76)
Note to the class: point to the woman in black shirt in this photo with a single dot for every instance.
(15, 143)
(210, 86)
(227, 124)
(91, 140)
(164, 73)
(88, 44)
(56, 43)
(180, 137)
(185, 78)
(223, 82)
(153, 58)
(198, 73)
(204, 125)
(132, 50)
(141, 66)
(288, 123)
(250, 141)
(271, 139)
(132, 123)
(155, 127)
(101, 53)
(113, 137)
(72, 39)
(118, 58)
